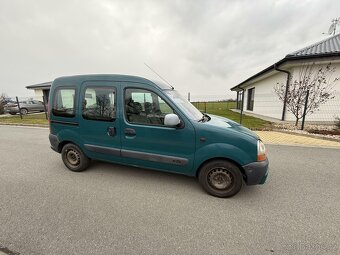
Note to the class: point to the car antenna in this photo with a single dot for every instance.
(159, 76)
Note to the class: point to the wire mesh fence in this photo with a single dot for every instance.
(211, 103)
(23, 105)
(301, 113)
(247, 110)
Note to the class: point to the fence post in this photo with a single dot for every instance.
(44, 101)
(304, 111)
(189, 96)
(205, 107)
(19, 107)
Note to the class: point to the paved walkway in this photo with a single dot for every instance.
(272, 137)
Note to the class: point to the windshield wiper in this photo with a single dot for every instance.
(204, 116)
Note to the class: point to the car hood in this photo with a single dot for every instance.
(228, 123)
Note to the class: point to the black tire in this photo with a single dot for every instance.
(73, 158)
(220, 178)
(23, 111)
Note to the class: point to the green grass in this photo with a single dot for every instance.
(216, 108)
(35, 119)
(223, 109)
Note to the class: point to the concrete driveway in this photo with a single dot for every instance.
(112, 209)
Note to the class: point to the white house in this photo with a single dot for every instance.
(41, 90)
(257, 95)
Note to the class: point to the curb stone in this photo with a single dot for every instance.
(306, 135)
(24, 125)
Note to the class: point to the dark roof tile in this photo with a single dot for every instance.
(330, 45)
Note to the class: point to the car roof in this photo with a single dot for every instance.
(108, 77)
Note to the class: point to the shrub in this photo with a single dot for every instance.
(337, 122)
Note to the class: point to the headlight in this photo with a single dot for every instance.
(261, 151)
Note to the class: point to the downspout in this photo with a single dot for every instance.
(286, 92)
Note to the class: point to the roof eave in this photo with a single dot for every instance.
(277, 64)
(45, 85)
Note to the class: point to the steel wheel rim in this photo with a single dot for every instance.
(73, 157)
(220, 178)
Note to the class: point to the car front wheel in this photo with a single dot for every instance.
(73, 158)
(220, 178)
(23, 111)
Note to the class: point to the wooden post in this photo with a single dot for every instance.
(45, 110)
(19, 107)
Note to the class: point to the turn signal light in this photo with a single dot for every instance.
(261, 151)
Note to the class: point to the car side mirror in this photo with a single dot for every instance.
(171, 120)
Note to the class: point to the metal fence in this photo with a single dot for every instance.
(299, 113)
(23, 105)
(263, 106)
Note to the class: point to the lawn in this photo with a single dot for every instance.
(35, 119)
(223, 109)
(216, 108)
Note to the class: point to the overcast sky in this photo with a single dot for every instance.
(204, 47)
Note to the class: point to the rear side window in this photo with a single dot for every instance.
(64, 102)
(99, 104)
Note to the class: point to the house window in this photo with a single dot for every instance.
(239, 100)
(250, 101)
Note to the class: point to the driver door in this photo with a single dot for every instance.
(146, 141)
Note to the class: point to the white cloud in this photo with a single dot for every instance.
(204, 47)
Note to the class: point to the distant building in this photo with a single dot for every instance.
(41, 90)
(256, 94)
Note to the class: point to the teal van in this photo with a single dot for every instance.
(134, 121)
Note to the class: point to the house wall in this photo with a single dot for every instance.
(329, 110)
(267, 103)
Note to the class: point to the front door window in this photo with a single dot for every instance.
(145, 107)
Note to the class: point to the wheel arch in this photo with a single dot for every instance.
(222, 158)
(63, 143)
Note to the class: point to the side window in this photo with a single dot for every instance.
(99, 104)
(63, 104)
(145, 107)
(37, 102)
(250, 101)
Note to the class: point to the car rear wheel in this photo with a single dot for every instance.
(73, 158)
(220, 178)
(23, 111)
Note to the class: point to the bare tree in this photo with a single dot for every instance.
(3, 96)
(320, 83)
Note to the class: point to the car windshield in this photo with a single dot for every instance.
(190, 110)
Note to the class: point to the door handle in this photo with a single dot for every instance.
(130, 131)
(111, 131)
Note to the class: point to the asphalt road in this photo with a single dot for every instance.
(112, 209)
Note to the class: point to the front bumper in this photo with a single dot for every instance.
(256, 172)
(11, 110)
